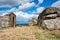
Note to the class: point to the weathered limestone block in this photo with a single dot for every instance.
(49, 24)
(58, 23)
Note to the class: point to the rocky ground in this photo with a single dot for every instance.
(28, 33)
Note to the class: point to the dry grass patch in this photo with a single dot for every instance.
(28, 33)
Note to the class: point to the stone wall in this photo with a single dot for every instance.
(8, 20)
(4, 21)
(12, 20)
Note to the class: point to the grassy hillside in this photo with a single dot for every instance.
(28, 33)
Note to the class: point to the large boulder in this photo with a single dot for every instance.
(50, 18)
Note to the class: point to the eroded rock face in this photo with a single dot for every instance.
(50, 18)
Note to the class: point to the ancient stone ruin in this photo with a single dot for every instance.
(8, 20)
(50, 18)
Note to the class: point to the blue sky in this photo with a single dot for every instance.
(25, 10)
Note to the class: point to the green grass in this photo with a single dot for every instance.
(53, 36)
(37, 35)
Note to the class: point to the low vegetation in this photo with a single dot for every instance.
(28, 33)
(53, 36)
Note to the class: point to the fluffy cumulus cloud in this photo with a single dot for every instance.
(27, 5)
(25, 15)
(10, 3)
(56, 4)
(40, 9)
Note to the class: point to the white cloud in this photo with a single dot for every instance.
(13, 9)
(24, 1)
(56, 4)
(4, 13)
(27, 5)
(40, 1)
(20, 15)
(10, 3)
(34, 12)
(40, 9)
(25, 15)
(8, 11)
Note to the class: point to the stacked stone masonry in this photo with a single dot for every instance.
(8, 20)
